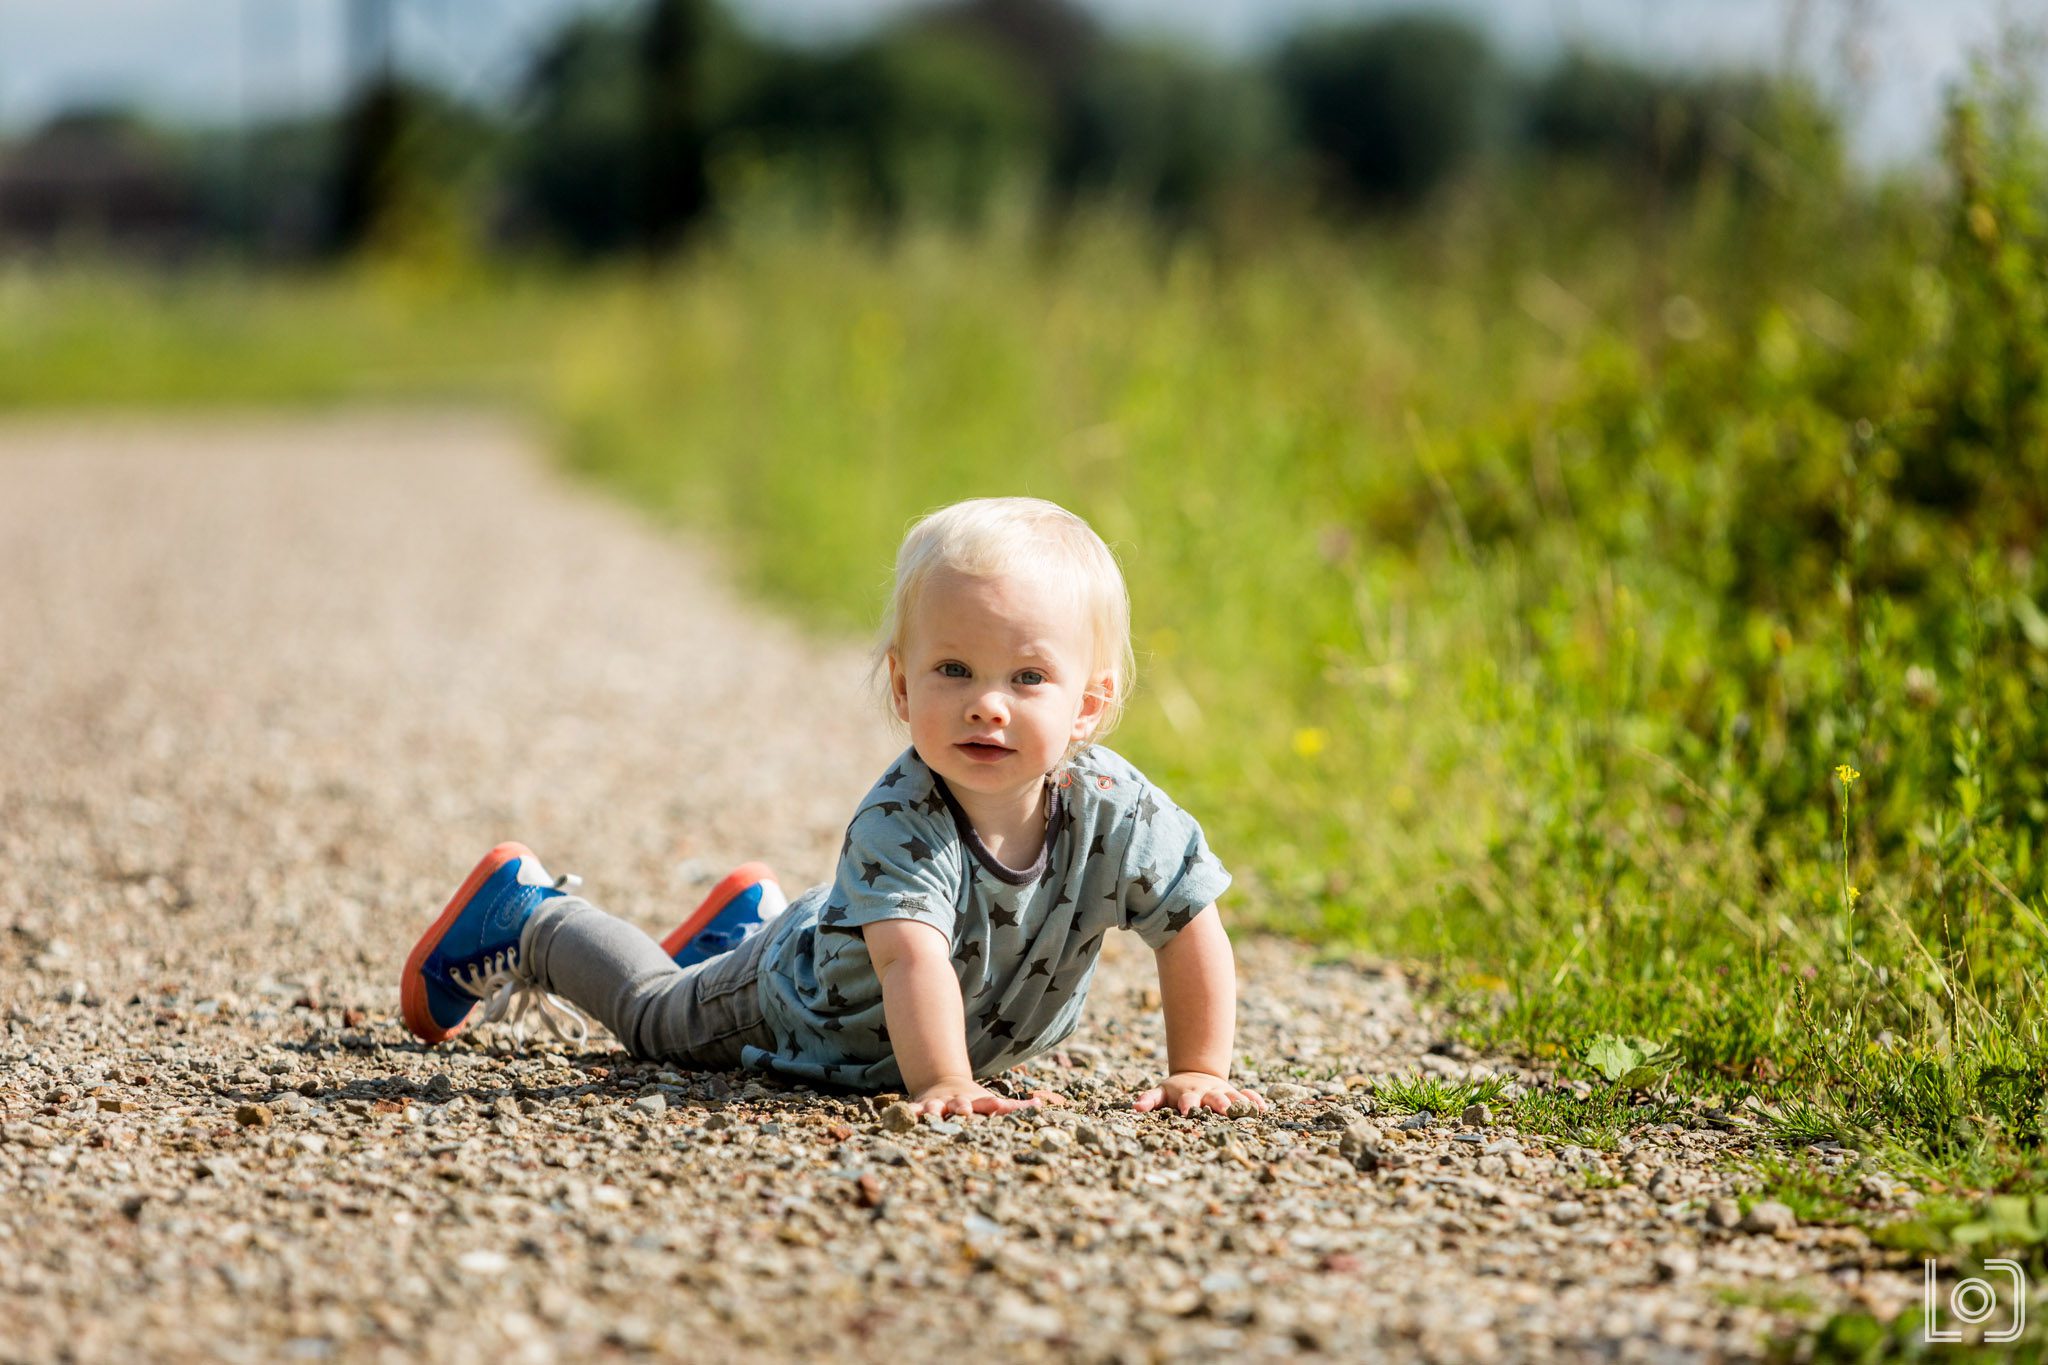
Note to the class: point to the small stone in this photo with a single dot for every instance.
(1724, 1213)
(654, 1106)
(1770, 1217)
(483, 1262)
(1421, 1118)
(899, 1117)
(253, 1115)
(312, 1144)
(1088, 1135)
(505, 1107)
(1567, 1213)
(719, 1122)
(1674, 1263)
(1478, 1116)
(1360, 1145)
(1286, 1092)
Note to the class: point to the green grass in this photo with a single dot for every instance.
(1493, 613)
(1445, 1099)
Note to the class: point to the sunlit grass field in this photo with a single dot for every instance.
(1640, 628)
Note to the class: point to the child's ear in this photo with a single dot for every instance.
(1094, 702)
(899, 688)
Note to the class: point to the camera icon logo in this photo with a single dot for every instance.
(1974, 1301)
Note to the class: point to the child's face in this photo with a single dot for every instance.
(993, 680)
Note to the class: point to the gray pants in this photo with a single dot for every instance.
(697, 1016)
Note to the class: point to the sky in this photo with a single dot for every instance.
(1889, 61)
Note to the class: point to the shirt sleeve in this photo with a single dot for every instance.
(894, 865)
(1169, 874)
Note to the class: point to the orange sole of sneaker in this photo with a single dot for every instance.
(412, 987)
(734, 882)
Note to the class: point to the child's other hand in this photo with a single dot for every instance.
(1186, 1091)
(964, 1097)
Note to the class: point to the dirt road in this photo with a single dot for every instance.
(270, 685)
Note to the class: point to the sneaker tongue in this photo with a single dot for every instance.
(531, 873)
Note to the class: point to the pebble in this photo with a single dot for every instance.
(899, 1117)
(654, 1106)
(253, 1115)
(1478, 1116)
(1675, 1262)
(1770, 1217)
(1724, 1213)
(1567, 1213)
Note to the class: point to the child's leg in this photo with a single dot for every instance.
(701, 1015)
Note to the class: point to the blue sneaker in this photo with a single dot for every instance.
(470, 955)
(734, 912)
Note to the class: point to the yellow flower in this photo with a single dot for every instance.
(1855, 894)
(1310, 741)
(1845, 774)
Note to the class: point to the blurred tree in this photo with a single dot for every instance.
(914, 119)
(1168, 131)
(673, 116)
(575, 165)
(1393, 106)
(410, 160)
(1678, 127)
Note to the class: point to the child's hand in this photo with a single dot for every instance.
(1186, 1091)
(944, 1097)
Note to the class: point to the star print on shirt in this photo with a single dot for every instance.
(917, 848)
(1002, 1028)
(1063, 899)
(1001, 916)
(970, 951)
(1147, 808)
(892, 777)
(1143, 881)
(1095, 849)
(834, 914)
(1180, 919)
(993, 1015)
(1042, 967)
(933, 803)
(834, 998)
(870, 871)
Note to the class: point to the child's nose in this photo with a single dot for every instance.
(990, 708)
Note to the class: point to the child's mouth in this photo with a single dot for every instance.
(983, 753)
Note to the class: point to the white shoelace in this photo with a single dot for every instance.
(509, 996)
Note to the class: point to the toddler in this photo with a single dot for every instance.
(977, 880)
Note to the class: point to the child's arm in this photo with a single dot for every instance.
(1198, 989)
(927, 1021)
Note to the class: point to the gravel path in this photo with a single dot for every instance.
(270, 687)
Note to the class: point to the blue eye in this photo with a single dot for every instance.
(952, 670)
(1031, 677)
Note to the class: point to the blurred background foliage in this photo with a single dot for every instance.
(1534, 485)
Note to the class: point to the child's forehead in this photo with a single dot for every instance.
(956, 603)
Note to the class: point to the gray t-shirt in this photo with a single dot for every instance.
(1117, 854)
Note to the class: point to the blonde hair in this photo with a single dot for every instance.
(991, 537)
